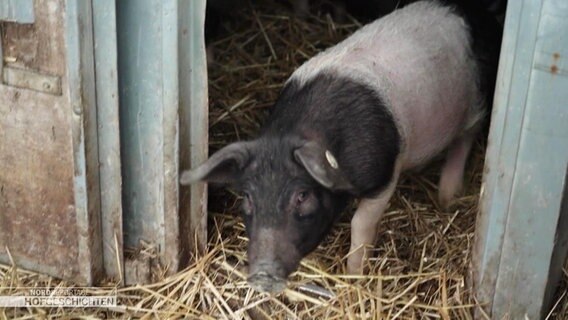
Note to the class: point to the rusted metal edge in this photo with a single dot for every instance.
(81, 81)
(1, 55)
(170, 250)
(194, 136)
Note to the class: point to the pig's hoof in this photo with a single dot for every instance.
(447, 193)
(263, 282)
(446, 198)
(354, 267)
(444, 201)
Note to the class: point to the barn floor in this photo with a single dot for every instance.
(419, 266)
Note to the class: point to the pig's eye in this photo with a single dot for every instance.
(302, 196)
(305, 204)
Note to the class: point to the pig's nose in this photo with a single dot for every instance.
(267, 276)
(265, 282)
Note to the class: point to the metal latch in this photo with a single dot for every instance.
(22, 11)
(31, 80)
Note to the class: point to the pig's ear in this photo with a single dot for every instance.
(223, 167)
(322, 165)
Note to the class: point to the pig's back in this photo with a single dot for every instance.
(419, 60)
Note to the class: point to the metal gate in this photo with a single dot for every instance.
(61, 185)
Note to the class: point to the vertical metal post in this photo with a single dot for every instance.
(104, 24)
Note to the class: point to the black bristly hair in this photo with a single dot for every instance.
(349, 118)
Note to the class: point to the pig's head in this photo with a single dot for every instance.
(293, 190)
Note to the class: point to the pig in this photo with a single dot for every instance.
(391, 97)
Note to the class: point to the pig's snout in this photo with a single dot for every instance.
(264, 282)
(267, 276)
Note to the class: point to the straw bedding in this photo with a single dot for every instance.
(417, 270)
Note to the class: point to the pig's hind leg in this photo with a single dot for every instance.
(364, 225)
(451, 177)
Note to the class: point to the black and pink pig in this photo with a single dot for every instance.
(389, 98)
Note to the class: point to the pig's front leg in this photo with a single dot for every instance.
(364, 225)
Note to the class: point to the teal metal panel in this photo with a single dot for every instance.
(163, 120)
(150, 46)
(21, 11)
(526, 164)
(141, 83)
(104, 24)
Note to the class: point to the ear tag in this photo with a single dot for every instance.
(331, 159)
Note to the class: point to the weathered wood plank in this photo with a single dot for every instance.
(49, 184)
(39, 210)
